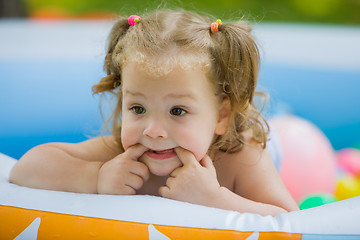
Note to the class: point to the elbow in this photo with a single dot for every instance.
(24, 170)
(13, 177)
(18, 174)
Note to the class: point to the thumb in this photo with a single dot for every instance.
(207, 162)
(136, 151)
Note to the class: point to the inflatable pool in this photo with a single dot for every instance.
(31, 214)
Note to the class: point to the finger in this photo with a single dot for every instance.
(134, 181)
(141, 170)
(136, 151)
(169, 181)
(207, 162)
(176, 172)
(185, 156)
(164, 191)
(128, 191)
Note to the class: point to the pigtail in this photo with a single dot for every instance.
(113, 78)
(238, 57)
(113, 70)
(236, 63)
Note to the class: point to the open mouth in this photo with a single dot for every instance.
(161, 154)
(162, 151)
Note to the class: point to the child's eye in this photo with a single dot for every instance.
(177, 111)
(138, 110)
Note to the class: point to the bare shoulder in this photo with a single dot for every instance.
(232, 169)
(101, 148)
(250, 154)
(254, 175)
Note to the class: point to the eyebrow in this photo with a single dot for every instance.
(134, 93)
(174, 95)
(171, 95)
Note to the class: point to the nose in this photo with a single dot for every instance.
(155, 129)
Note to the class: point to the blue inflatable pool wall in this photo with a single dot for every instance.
(47, 70)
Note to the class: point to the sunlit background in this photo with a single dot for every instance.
(52, 51)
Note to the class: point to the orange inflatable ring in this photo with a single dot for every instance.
(40, 214)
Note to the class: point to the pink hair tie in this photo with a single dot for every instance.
(215, 26)
(133, 20)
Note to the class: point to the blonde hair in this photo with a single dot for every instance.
(232, 54)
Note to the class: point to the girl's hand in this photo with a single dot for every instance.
(194, 182)
(124, 174)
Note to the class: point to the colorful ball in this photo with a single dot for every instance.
(315, 200)
(347, 186)
(357, 146)
(309, 161)
(349, 160)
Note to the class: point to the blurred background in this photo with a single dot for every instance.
(305, 11)
(52, 52)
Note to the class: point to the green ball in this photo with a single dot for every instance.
(357, 146)
(315, 200)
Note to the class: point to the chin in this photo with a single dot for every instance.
(161, 168)
(161, 172)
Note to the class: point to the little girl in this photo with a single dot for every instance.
(185, 126)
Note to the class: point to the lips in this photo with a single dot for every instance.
(161, 154)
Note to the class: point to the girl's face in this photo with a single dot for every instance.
(178, 109)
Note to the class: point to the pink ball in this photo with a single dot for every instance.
(349, 160)
(309, 161)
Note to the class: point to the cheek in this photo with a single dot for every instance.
(129, 135)
(196, 140)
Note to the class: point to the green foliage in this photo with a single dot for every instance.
(315, 11)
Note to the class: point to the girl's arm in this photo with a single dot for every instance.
(64, 166)
(250, 182)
